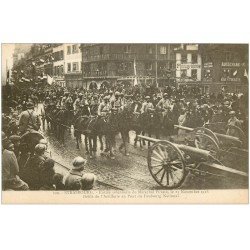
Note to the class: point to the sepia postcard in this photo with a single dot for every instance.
(130, 123)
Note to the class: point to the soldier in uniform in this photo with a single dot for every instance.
(29, 120)
(94, 105)
(104, 107)
(164, 105)
(233, 121)
(147, 106)
(79, 102)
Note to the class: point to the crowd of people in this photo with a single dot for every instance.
(38, 171)
(188, 106)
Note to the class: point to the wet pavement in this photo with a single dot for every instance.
(124, 172)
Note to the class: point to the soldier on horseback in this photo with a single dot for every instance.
(116, 103)
(78, 104)
(104, 107)
(164, 105)
(147, 106)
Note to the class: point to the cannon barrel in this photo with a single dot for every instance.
(223, 137)
(228, 138)
(184, 128)
(191, 151)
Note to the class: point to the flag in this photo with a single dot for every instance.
(235, 72)
(245, 74)
(50, 80)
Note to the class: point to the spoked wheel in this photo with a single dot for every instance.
(239, 132)
(203, 141)
(166, 164)
(204, 130)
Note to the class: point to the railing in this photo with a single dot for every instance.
(125, 56)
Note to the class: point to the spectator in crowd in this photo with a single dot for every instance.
(58, 181)
(47, 173)
(75, 173)
(88, 181)
(10, 168)
(15, 139)
(33, 166)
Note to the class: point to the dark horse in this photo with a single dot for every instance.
(95, 126)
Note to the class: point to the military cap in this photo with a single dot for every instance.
(30, 105)
(14, 138)
(40, 148)
(88, 181)
(78, 162)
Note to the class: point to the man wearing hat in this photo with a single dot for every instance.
(116, 103)
(88, 181)
(75, 173)
(29, 119)
(147, 106)
(164, 105)
(10, 168)
(79, 102)
(233, 121)
(15, 139)
(94, 105)
(31, 171)
(104, 107)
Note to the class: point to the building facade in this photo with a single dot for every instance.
(225, 67)
(109, 64)
(59, 65)
(73, 65)
(188, 64)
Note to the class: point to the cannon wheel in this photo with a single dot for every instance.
(208, 132)
(206, 142)
(166, 164)
(240, 132)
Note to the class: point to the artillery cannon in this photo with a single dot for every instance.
(227, 149)
(169, 163)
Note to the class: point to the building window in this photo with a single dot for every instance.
(206, 89)
(238, 89)
(75, 67)
(184, 58)
(101, 50)
(208, 73)
(163, 50)
(149, 66)
(229, 57)
(74, 49)
(69, 67)
(127, 49)
(194, 74)
(194, 58)
(68, 50)
(61, 55)
(149, 49)
(183, 73)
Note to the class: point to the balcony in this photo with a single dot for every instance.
(124, 57)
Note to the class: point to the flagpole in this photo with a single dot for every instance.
(156, 66)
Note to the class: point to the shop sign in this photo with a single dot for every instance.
(208, 65)
(229, 79)
(188, 66)
(232, 64)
